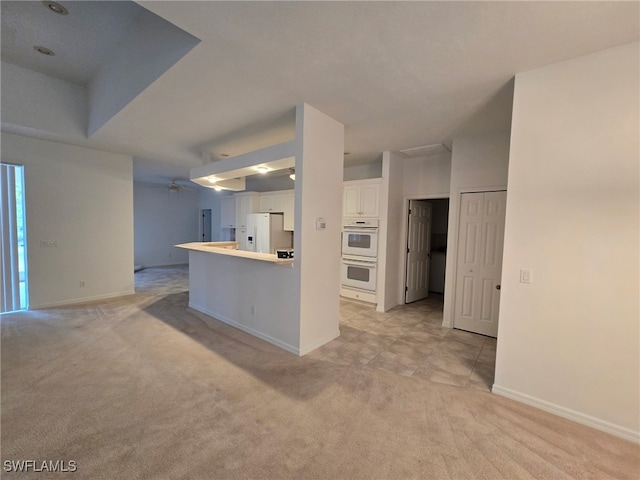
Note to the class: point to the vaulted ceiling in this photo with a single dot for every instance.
(399, 75)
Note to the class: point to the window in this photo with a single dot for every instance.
(13, 239)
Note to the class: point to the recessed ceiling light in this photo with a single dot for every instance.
(44, 50)
(55, 7)
(212, 179)
(262, 169)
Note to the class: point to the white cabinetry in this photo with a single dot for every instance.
(272, 202)
(228, 212)
(246, 202)
(280, 201)
(361, 198)
(289, 206)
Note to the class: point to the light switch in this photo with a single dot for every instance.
(525, 275)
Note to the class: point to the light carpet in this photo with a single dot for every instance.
(140, 388)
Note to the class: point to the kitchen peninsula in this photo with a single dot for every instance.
(231, 249)
(291, 303)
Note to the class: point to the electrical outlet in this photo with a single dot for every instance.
(82, 284)
(253, 310)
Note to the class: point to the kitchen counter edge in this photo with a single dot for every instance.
(227, 248)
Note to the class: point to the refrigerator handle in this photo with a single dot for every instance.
(255, 239)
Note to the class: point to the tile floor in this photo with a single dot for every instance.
(410, 340)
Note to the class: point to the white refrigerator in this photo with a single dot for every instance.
(265, 233)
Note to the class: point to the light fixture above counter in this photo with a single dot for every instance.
(230, 173)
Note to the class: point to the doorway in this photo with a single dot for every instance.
(205, 225)
(427, 227)
(13, 239)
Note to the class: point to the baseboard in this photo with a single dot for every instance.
(317, 344)
(75, 301)
(246, 329)
(593, 422)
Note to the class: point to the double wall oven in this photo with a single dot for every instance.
(359, 258)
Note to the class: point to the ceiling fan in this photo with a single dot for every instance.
(174, 187)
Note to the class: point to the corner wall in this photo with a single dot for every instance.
(82, 200)
(318, 194)
(568, 342)
(478, 163)
(392, 219)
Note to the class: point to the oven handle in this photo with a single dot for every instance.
(359, 263)
(360, 229)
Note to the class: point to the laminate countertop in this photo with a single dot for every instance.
(231, 249)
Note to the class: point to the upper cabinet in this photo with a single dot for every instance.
(279, 202)
(246, 202)
(361, 198)
(228, 212)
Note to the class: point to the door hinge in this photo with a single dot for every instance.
(406, 289)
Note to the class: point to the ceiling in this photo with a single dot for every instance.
(398, 75)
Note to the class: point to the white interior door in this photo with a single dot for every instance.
(418, 251)
(479, 262)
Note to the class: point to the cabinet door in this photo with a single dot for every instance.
(241, 212)
(241, 238)
(369, 200)
(266, 203)
(351, 201)
(245, 204)
(288, 206)
(228, 212)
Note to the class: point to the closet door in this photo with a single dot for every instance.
(479, 262)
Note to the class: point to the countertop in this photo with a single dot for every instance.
(231, 249)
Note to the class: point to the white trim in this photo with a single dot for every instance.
(405, 233)
(74, 301)
(246, 329)
(588, 420)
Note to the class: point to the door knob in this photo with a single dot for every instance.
(497, 287)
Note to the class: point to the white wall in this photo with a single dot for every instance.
(318, 194)
(226, 288)
(163, 219)
(477, 163)
(569, 341)
(81, 199)
(362, 172)
(427, 176)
